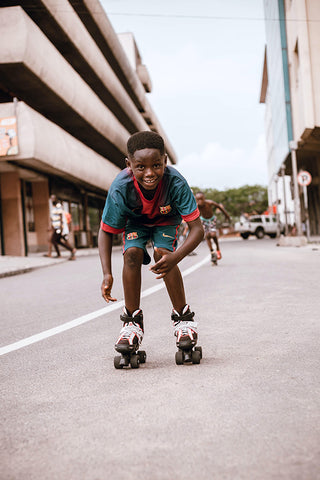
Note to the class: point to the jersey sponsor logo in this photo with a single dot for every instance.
(132, 235)
(165, 210)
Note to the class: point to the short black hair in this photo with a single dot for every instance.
(145, 139)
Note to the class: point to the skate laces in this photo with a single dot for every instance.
(130, 328)
(183, 328)
(130, 333)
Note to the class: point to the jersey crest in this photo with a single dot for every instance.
(132, 235)
(165, 210)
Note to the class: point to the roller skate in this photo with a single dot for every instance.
(185, 329)
(129, 341)
(214, 258)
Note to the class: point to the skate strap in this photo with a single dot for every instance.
(182, 318)
(137, 314)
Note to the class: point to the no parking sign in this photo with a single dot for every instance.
(304, 178)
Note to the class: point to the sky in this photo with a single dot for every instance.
(205, 60)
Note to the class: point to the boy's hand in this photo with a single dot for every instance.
(106, 288)
(165, 264)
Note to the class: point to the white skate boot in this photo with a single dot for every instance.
(185, 329)
(129, 341)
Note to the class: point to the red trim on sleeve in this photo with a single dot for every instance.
(192, 216)
(108, 229)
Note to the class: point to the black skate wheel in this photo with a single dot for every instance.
(142, 356)
(179, 357)
(135, 361)
(199, 349)
(196, 356)
(116, 362)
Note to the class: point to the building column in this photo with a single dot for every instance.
(12, 218)
(40, 199)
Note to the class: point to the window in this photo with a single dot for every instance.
(29, 207)
(75, 214)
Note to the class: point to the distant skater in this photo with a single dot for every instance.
(209, 221)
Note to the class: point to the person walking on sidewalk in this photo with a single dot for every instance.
(208, 218)
(60, 229)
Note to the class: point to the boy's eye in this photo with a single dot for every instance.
(139, 167)
(156, 165)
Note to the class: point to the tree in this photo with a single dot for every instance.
(252, 199)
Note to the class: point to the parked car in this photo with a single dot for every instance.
(258, 225)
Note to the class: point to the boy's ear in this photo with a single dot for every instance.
(165, 159)
(128, 164)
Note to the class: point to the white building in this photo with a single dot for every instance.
(291, 91)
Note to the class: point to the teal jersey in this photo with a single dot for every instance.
(125, 204)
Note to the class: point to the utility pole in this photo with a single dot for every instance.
(283, 168)
(297, 213)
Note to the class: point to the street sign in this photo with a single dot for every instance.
(304, 178)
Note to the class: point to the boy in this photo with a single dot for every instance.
(209, 221)
(147, 201)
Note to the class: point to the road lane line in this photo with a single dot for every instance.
(89, 316)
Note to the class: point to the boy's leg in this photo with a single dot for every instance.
(131, 334)
(215, 239)
(174, 285)
(131, 278)
(209, 241)
(185, 329)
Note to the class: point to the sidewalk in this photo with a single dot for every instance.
(16, 265)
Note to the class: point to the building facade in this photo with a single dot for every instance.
(71, 93)
(291, 91)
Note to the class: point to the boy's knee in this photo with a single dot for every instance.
(133, 257)
(157, 255)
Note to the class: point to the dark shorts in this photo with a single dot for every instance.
(161, 236)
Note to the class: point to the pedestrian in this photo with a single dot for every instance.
(60, 229)
(148, 200)
(208, 218)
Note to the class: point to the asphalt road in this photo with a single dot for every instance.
(250, 410)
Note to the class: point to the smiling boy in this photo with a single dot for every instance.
(147, 201)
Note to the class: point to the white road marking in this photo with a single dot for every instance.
(89, 316)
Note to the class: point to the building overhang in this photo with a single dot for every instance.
(119, 87)
(48, 149)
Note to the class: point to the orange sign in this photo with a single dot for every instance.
(8, 136)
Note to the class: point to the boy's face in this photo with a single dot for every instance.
(147, 166)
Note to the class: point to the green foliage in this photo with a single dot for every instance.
(251, 199)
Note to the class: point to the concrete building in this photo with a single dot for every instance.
(291, 91)
(70, 96)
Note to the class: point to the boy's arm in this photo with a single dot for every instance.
(223, 210)
(193, 239)
(169, 259)
(105, 250)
